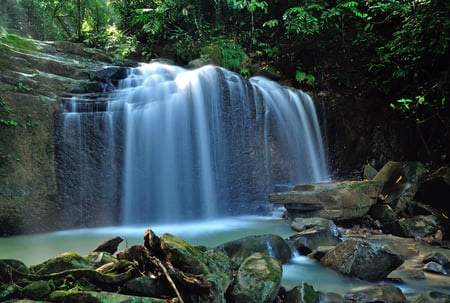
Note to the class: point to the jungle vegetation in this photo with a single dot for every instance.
(394, 50)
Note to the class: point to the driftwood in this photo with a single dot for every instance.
(168, 277)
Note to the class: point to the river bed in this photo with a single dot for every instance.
(36, 248)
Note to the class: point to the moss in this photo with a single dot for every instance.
(17, 42)
(60, 263)
(38, 290)
(309, 294)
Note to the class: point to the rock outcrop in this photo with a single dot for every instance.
(342, 200)
(34, 75)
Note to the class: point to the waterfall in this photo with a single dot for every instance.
(194, 144)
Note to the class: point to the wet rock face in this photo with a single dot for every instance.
(34, 75)
(359, 258)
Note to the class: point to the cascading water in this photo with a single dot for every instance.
(200, 143)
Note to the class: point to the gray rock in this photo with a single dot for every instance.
(359, 258)
(369, 172)
(401, 182)
(379, 293)
(335, 200)
(415, 227)
(304, 293)
(438, 258)
(257, 280)
(430, 297)
(436, 268)
(309, 240)
(272, 245)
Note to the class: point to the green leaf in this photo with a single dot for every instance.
(271, 23)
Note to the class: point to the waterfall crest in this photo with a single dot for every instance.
(199, 143)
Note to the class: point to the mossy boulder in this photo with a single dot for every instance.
(98, 297)
(257, 280)
(214, 265)
(303, 293)
(60, 263)
(377, 293)
(38, 290)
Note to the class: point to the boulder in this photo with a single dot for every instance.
(369, 172)
(309, 240)
(401, 182)
(359, 258)
(257, 280)
(438, 258)
(430, 297)
(378, 293)
(304, 293)
(147, 287)
(272, 245)
(436, 268)
(435, 190)
(62, 262)
(213, 265)
(385, 214)
(74, 296)
(335, 200)
(38, 290)
(415, 227)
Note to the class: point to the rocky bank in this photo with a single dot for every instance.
(34, 76)
(168, 269)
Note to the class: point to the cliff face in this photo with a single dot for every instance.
(33, 77)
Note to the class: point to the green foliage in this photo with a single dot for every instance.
(302, 20)
(23, 87)
(304, 77)
(5, 118)
(114, 41)
(225, 53)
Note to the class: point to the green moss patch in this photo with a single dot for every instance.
(17, 42)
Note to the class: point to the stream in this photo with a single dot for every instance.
(36, 248)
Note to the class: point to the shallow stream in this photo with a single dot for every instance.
(34, 249)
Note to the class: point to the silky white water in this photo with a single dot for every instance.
(173, 145)
(199, 144)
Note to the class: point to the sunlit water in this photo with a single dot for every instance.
(34, 249)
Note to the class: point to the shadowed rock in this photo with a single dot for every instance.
(359, 258)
